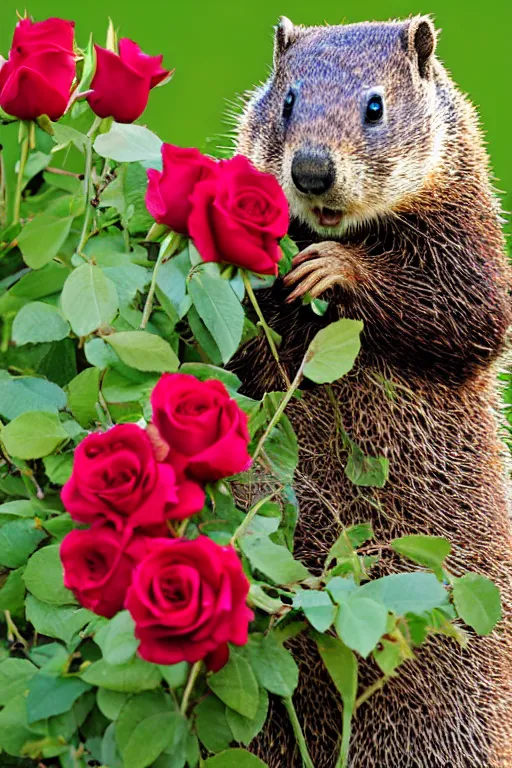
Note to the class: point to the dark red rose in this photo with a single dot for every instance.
(205, 429)
(168, 195)
(116, 479)
(239, 217)
(36, 80)
(188, 599)
(98, 566)
(121, 84)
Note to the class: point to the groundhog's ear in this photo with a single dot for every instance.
(285, 35)
(421, 42)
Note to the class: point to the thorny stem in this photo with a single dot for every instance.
(297, 730)
(194, 673)
(266, 328)
(25, 145)
(167, 249)
(280, 410)
(88, 187)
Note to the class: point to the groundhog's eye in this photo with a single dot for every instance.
(288, 105)
(374, 109)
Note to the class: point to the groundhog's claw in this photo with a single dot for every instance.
(315, 269)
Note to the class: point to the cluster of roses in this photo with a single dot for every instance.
(40, 75)
(233, 212)
(186, 597)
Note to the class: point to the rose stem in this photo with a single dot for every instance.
(297, 730)
(88, 187)
(267, 330)
(167, 249)
(249, 516)
(194, 672)
(279, 411)
(25, 145)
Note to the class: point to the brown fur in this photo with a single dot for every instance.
(421, 262)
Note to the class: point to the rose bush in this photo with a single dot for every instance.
(122, 82)
(122, 426)
(36, 80)
(188, 600)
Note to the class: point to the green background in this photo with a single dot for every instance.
(220, 48)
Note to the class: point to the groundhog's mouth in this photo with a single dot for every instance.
(327, 217)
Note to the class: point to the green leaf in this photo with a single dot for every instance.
(175, 675)
(340, 588)
(282, 451)
(211, 724)
(15, 732)
(129, 144)
(478, 603)
(151, 737)
(17, 541)
(12, 593)
(83, 393)
(144, 351)
(366, 471)
(404, 593)
(204, 372)
(171, 283)
(64, 135)
(275, 561)
(129, 279)
(99, 354)
(136, 710)
(44, 577)
(244, 729)
(29, 393)
(236, 685)
(89, 299)
(127, 385)
(318, 609)
(117, 640)
(273, 665)
(60, 621)
(333, 351)
(341, 664)
(361, 622)
(388, 657)
(58, 468)
(15, 676)
(358, 534)
(137, 675)
(49, 695)
(41, 239)
(34, 285)
(110, 703)
(37, 322)
(234, 758)
(430, 551)
(203, 337)
(219, 309)
(109, 753)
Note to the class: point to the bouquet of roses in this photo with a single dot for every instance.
(148, 586)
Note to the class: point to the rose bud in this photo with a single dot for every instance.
(239, 217)
(121, 84)
(168, 194)
(188, 599)
(36, 80)
(116, 479)
(98, 567)
(205, 429)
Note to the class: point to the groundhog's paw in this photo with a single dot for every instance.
(315, 269)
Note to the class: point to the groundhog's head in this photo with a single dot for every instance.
(349, 121)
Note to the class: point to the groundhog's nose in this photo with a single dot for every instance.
(313, 171)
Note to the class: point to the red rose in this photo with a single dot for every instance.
(37, 78)
(98, 567)
(121, 84)
(239, 217)
(188, 599)
(168, 195)
(116, 479)
(205, 429)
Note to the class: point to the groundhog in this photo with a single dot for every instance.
(382, 161)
